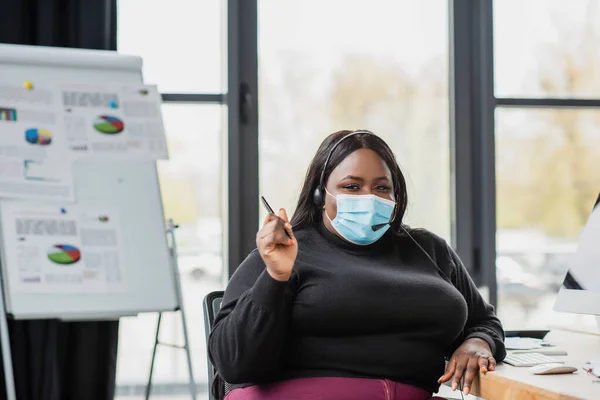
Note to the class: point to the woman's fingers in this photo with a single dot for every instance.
(484, 364)
(450, 368)
(472, 369)
(283, 215)
(273, 233)
(491, 363)
(275, 239)
(275, 230)
(268, 218)
(461, 366)
(288, 229)
(287, 225)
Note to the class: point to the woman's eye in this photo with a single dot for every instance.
(351, 187)
(383, 188)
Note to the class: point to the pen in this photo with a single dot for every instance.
(270, 210)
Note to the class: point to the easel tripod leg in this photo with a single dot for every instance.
(178, 291)
(9, 379)
(149, 385)
(189, 356)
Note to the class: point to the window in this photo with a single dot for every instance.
(546, 55)
(181, 42)
(547, 181)
(191, 185)
(182, 45)
(381, 66)
(547, 48)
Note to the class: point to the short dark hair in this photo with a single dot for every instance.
(307, 213)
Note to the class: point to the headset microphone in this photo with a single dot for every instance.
(392, 218)
(379, 226)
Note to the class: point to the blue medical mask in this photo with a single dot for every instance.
(356, 215)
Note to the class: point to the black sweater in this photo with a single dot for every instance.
(383, 310)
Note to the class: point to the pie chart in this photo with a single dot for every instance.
(64, 254)
(38, 136)
(108, 125)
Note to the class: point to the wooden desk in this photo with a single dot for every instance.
(512, 383)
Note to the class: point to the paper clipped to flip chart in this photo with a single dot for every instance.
(34, 157)
(53, 249)
(114, 120)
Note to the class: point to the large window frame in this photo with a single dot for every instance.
(471, 135)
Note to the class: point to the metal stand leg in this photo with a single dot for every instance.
(6, 353)
(188, 353)
(186, 345)
(156, 343)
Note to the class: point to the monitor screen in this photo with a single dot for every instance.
(584, 269)
(580, 291)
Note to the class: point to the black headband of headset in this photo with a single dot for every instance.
(321, 183)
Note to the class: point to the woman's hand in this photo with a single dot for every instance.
(277, 250)
(472, 356)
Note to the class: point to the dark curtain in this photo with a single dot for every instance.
(55, 360)
(88, 24)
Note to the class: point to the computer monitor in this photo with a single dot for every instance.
(580, 291)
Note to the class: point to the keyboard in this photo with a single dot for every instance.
(529, 359)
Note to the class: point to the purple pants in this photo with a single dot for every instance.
(331, 389)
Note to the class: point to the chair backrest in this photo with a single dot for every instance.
(211, 306)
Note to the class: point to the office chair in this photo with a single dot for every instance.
(211, 306)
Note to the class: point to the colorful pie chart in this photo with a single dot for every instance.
(64, 254)
(38, 136)
(108, 125)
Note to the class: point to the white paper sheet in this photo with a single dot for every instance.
(52, 249)
(114, 121)
(34, 158)
(519, 343)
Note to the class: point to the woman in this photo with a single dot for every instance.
(345, 302)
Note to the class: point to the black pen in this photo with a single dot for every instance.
(270, 210)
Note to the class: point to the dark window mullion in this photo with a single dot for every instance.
(472, 126)
(214, 98)
(546, 102)
(242, 101)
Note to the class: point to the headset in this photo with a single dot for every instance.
(319, 193)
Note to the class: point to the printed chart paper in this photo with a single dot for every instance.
(114, 120)
(141, 105)
(34, 158)
(73, 249)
